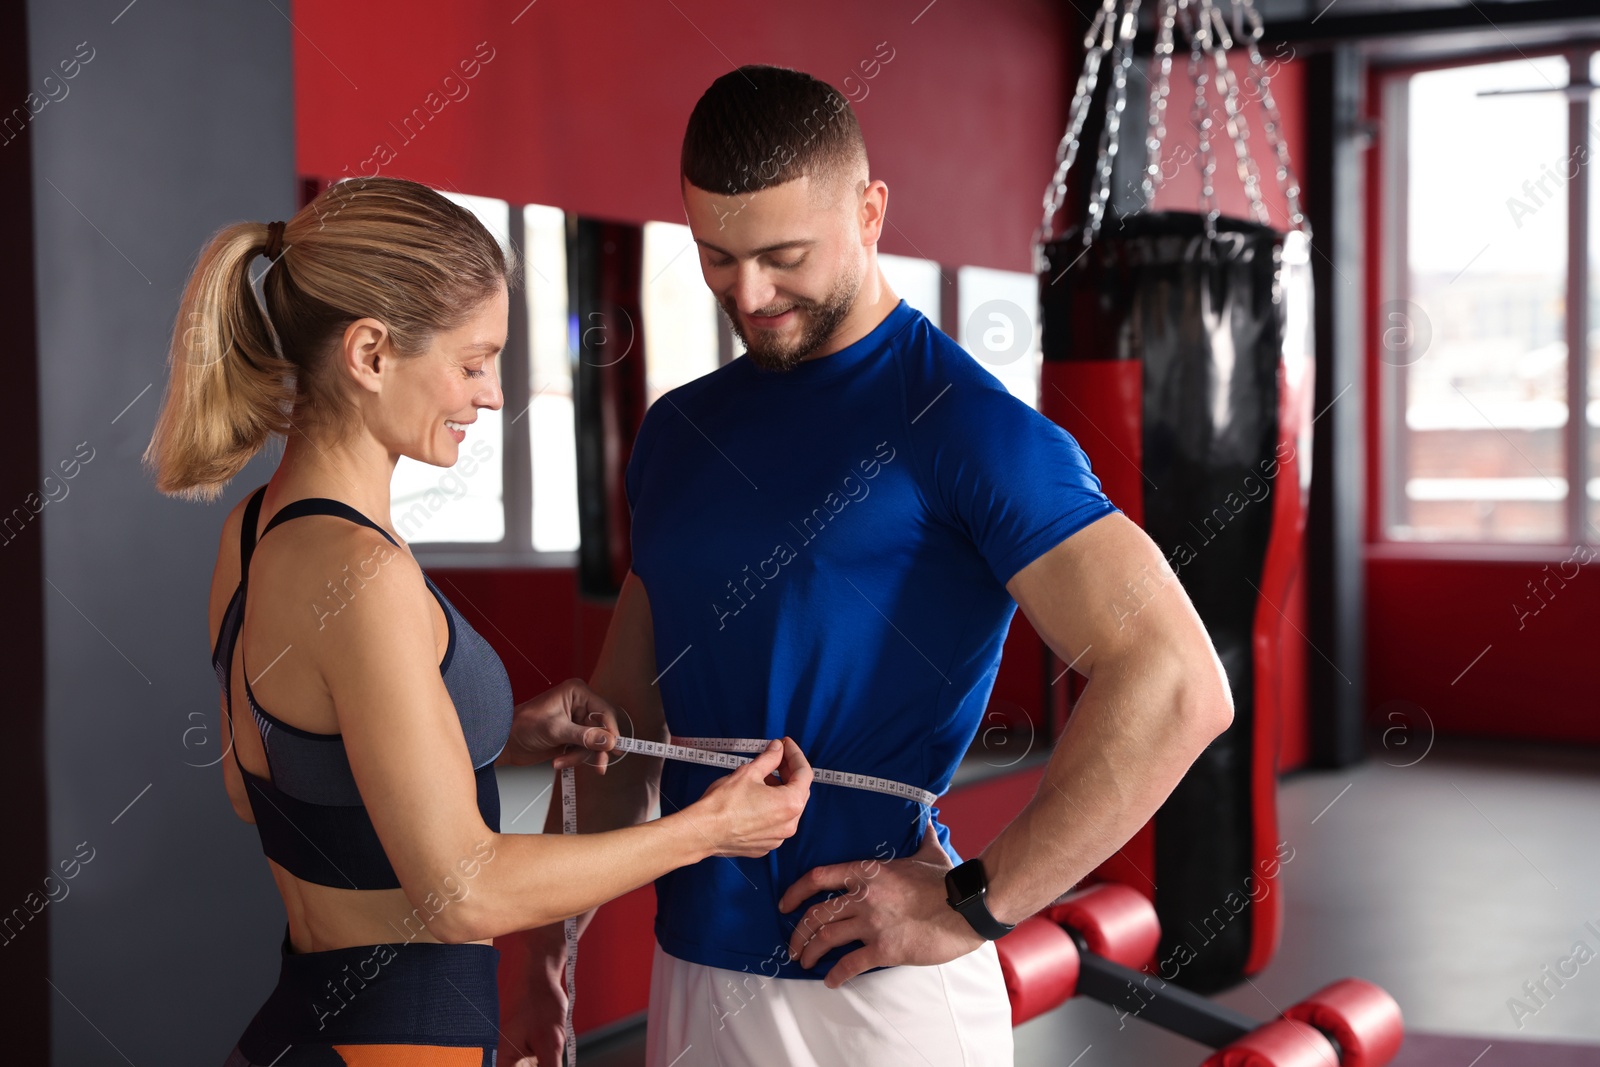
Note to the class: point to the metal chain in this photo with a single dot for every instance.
(1199, 45)
(1097, 42)
(1272, 121)
(1111, 132)
(1160, 89)
(1238, 126)
(1112, 30)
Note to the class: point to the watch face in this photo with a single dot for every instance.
(965, 882)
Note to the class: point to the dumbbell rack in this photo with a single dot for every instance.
(1093, 942)
(1168, 1006)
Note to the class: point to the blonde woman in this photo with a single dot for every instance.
(373, 715)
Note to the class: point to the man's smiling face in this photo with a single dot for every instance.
(784, 263)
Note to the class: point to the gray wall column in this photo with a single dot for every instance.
(178, 118)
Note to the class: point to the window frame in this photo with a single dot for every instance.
(1388, 224)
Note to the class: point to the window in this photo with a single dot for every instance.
(549, 413)
(998, 313)
(919, 282)
(511, 497)
(680, 314)
(1475, 382)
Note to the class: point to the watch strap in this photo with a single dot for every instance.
(975, 909)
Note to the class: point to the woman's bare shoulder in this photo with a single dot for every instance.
(225, 571)
(318, 567)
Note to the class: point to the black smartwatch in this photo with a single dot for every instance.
(965, 887)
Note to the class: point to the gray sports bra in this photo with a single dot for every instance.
(309, 813)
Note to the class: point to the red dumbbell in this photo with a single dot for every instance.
(1116, 922)
(1362, 1018)
(1094, 942)
(1280, 1043)
(1040, 965)
(1358, 1022)
(1040, 959)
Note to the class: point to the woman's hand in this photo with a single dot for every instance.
(750, 812)
(564, 724)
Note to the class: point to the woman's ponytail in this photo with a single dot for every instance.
(228, 389)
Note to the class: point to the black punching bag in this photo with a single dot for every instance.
(1191, 350)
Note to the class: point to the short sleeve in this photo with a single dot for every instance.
(638, 455)
(1015, 482)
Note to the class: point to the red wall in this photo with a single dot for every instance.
(1429, 619)
(582, 106)
(1433, 610)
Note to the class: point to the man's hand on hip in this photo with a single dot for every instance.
(898, 909)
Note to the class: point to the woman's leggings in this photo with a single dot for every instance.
(389, 1005)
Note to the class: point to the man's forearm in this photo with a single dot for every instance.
(1136, 729)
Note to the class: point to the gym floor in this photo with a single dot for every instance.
(1450, 881)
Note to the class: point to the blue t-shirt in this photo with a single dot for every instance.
(825, 552)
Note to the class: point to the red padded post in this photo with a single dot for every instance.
(1280, 1043)
(1117, 921)
(1362, 1017)
(1040, 965)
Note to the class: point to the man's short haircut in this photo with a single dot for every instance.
(760, 126)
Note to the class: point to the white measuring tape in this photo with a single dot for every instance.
(712, 752)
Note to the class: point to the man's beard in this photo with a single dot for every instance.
(819, 320)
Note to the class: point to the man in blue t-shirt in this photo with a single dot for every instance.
(830, 536)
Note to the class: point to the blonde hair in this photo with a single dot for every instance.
(384, 248)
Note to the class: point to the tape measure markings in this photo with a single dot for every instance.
(710, 752)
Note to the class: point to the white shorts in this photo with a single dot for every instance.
(953, 1015)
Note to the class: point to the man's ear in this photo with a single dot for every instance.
(874, 206)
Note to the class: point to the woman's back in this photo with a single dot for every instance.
(316, 562)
